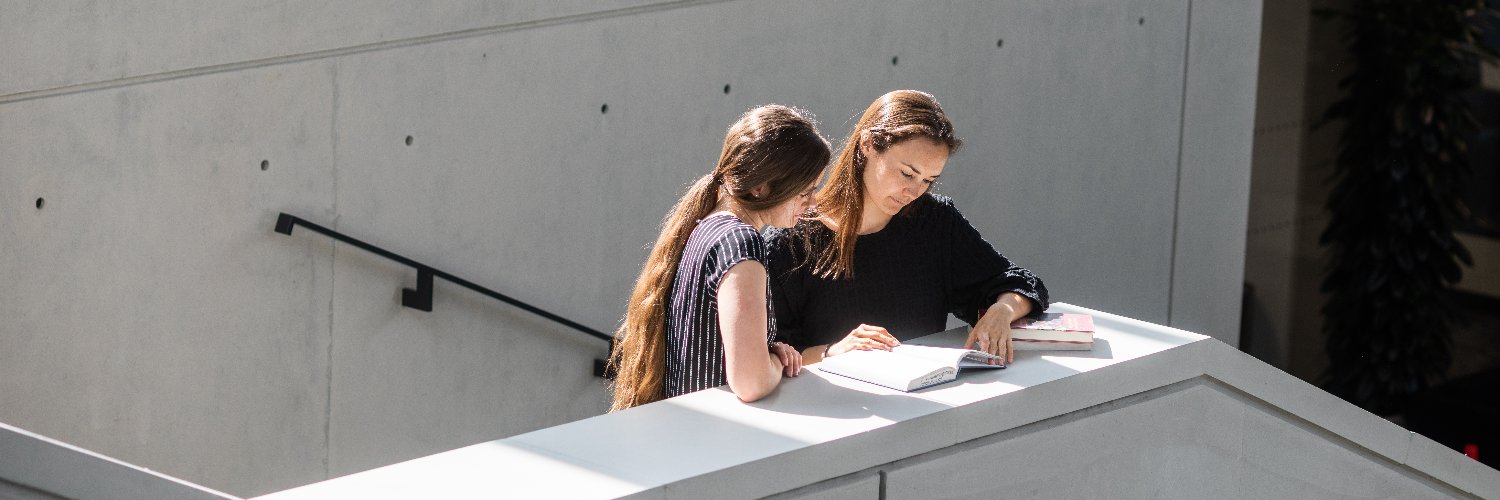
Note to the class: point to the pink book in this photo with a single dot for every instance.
(1054, 331)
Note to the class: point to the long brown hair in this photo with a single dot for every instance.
(772, 145)
(896, 116)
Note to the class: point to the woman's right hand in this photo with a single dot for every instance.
(863, 338)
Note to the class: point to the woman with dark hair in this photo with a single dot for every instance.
(699, 316)
(917, 258)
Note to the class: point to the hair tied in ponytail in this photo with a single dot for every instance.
(772, 145)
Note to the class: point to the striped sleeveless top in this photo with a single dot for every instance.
(695, 349)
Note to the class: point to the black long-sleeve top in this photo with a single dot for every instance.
(926, 263)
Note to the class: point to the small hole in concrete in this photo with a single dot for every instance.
(408, 140)
(39, 203)
(1141, 21)
(1000, 42)
(265, 165)
(604, 109)
(895, 60)
(726, 88)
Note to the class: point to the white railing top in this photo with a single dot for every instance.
(49, 466)
(663, 443)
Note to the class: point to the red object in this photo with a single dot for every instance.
(1472, 450)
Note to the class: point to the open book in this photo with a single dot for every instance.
(907, 367)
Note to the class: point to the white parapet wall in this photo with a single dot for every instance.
(1150, 412)
(35, 466)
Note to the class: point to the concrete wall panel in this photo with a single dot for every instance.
(1203, 441)
(1213, 183)
(408, 383)
(493, 150)
(150, 314)
(863, 486)
(83, 43)
(1066, 124)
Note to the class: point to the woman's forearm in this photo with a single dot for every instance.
(750, 369)
(1014, 305)
(814, 354)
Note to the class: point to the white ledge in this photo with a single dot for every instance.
(820, 426)
(48, 467)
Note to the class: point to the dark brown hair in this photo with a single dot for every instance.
(772, 145)
(895, 117)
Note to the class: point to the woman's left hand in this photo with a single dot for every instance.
(791, 360)
(992, 333)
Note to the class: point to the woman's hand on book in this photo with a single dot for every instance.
(863, 338)
(992, 333)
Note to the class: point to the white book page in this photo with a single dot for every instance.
(949, 356)
(883, 368)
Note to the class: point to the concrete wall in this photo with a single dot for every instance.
(146, 148)
(1302, 60)
(1283, 204)
(1198, 439)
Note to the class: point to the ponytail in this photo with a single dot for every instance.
(639, 355)
(774, 146)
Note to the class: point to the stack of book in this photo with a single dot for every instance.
(1053, 332)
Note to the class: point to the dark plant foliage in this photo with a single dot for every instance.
(1401, 164)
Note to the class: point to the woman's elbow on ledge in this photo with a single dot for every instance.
(753, 393)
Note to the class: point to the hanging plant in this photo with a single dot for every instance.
(1401, 164)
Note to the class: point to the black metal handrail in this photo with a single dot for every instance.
(421, 297)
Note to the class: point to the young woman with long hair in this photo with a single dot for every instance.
(699, 316)
(883, 259)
